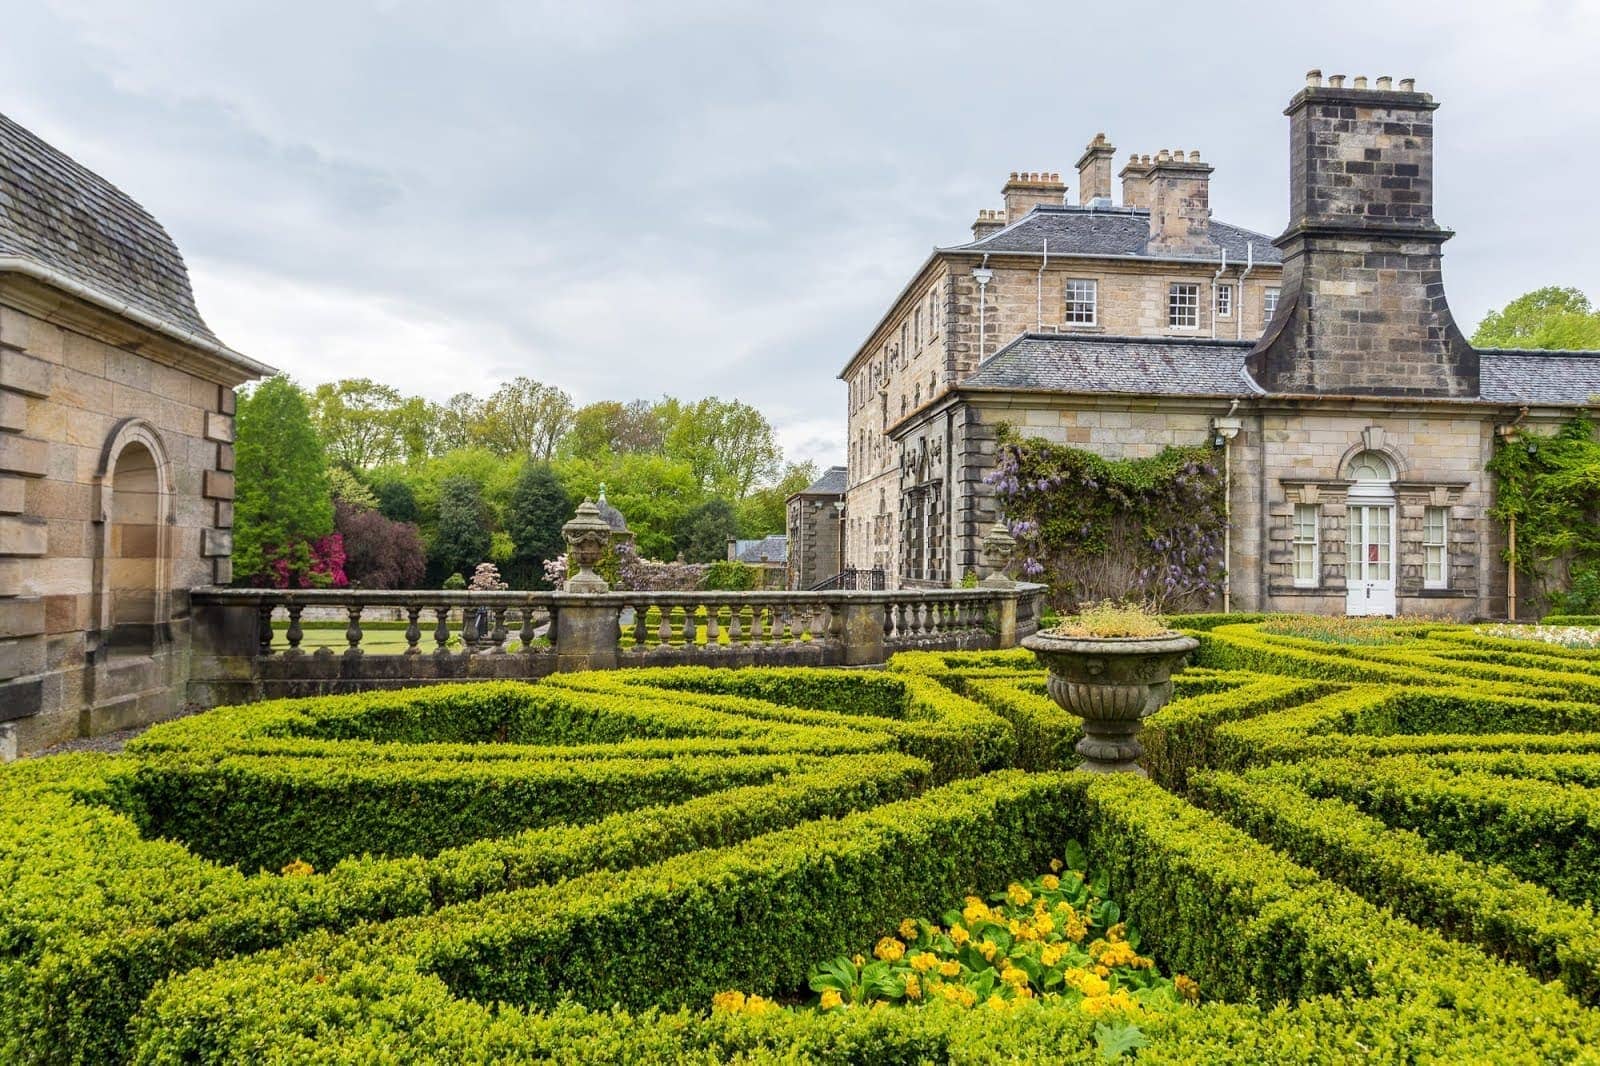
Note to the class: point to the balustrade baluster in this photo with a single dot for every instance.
(294, 633)
(735, 623)
(441, 632)
(413, 630)
(526, 633)
(469, 627)
(498, 634)
(264, 630)
(713, 623)
(664, 626)
(689, 627)
(808, 622)
(352, 632)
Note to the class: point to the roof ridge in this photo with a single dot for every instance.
(1128, 338)
(1583, 353)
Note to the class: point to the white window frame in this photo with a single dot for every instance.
(1269, 302)
(1076, 288)
(1306, 534)
(1225, 299)
(1183, 295)
(933, 312)
(1436, 547)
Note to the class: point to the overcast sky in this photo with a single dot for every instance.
(636, 199)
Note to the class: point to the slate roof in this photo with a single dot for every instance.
(1175, 366)
(1520, 375)
(1156, 366)
(1109, 231)
(833, 482)
(775, 548)
(62, 216)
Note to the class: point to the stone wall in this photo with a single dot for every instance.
(814, 534)
(115, 498)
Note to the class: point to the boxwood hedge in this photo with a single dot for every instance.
(1381, 851)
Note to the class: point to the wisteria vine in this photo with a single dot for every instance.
(1094, 528)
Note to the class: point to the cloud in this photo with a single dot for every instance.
(636, 199)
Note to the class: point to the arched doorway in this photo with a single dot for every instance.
(1369, 545)
(134, 577)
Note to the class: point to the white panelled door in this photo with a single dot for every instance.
(1370, 575)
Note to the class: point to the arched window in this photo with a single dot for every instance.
(1371, 468)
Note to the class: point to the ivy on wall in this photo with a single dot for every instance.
(1551, 486)
(1131, 529)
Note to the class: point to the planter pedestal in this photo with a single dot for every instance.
(1113, 684)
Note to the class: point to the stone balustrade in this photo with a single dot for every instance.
(261, 643)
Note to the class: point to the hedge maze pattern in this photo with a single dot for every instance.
(1384, 851)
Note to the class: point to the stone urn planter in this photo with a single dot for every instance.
(1113, 684)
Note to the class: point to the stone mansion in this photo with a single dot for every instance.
(1354, 418)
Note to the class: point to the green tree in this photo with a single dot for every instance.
(636, 427)
(1551, 317)
(358, 422)
(764, 511)
(456, 423)
(539, 508)
(525, 418)
(284, 503)
(703, 533)
(653, 493)
(728, 445)
(397, 501)
(462, 537)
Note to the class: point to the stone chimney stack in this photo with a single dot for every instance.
(1094, 170)
(987, 222)
(1363, 308)
(1180, 204)
(1135, 177)
(1023, 192)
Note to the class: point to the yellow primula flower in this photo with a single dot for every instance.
(1013, 975)
(732, 1001)
(859, 960)
(908, 929)
(1117, 933)
(976, 911)
(913, 987)
(1187, 987)
(298, 868)
(889, 949)
(1056, 865)
(1050, 881)
(923, 961)
(950, 968)
(1018, 895)
(1088, 983)
(987, 949)
(1044, 925)
(754, 1004)
(831, 999)
(994, 1002)
(1051, 954)
(959, 935)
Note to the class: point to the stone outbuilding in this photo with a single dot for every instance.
(1355, 431)
(116, 453)
(815, 519)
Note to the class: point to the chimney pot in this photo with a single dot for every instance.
(1336, 81)
(1408, 85)
(1384, 82)
(1313, 78)
(1361, 81)
(1194, 156)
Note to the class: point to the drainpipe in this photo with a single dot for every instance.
(1238, 312)
(982, 275)
(1504, 432)
(1038, 313)
(1224, 429)
(1221, 269)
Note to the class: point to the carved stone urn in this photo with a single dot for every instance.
(1113, 684)
(588, 535)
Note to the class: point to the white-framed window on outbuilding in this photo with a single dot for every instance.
(1307, 545)
(1225, 300)
(1183, 305)
(1269, 303)
(1435, 548)
(1082, 297)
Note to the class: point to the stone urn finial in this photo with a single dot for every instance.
(587, 535)
(998, 544)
